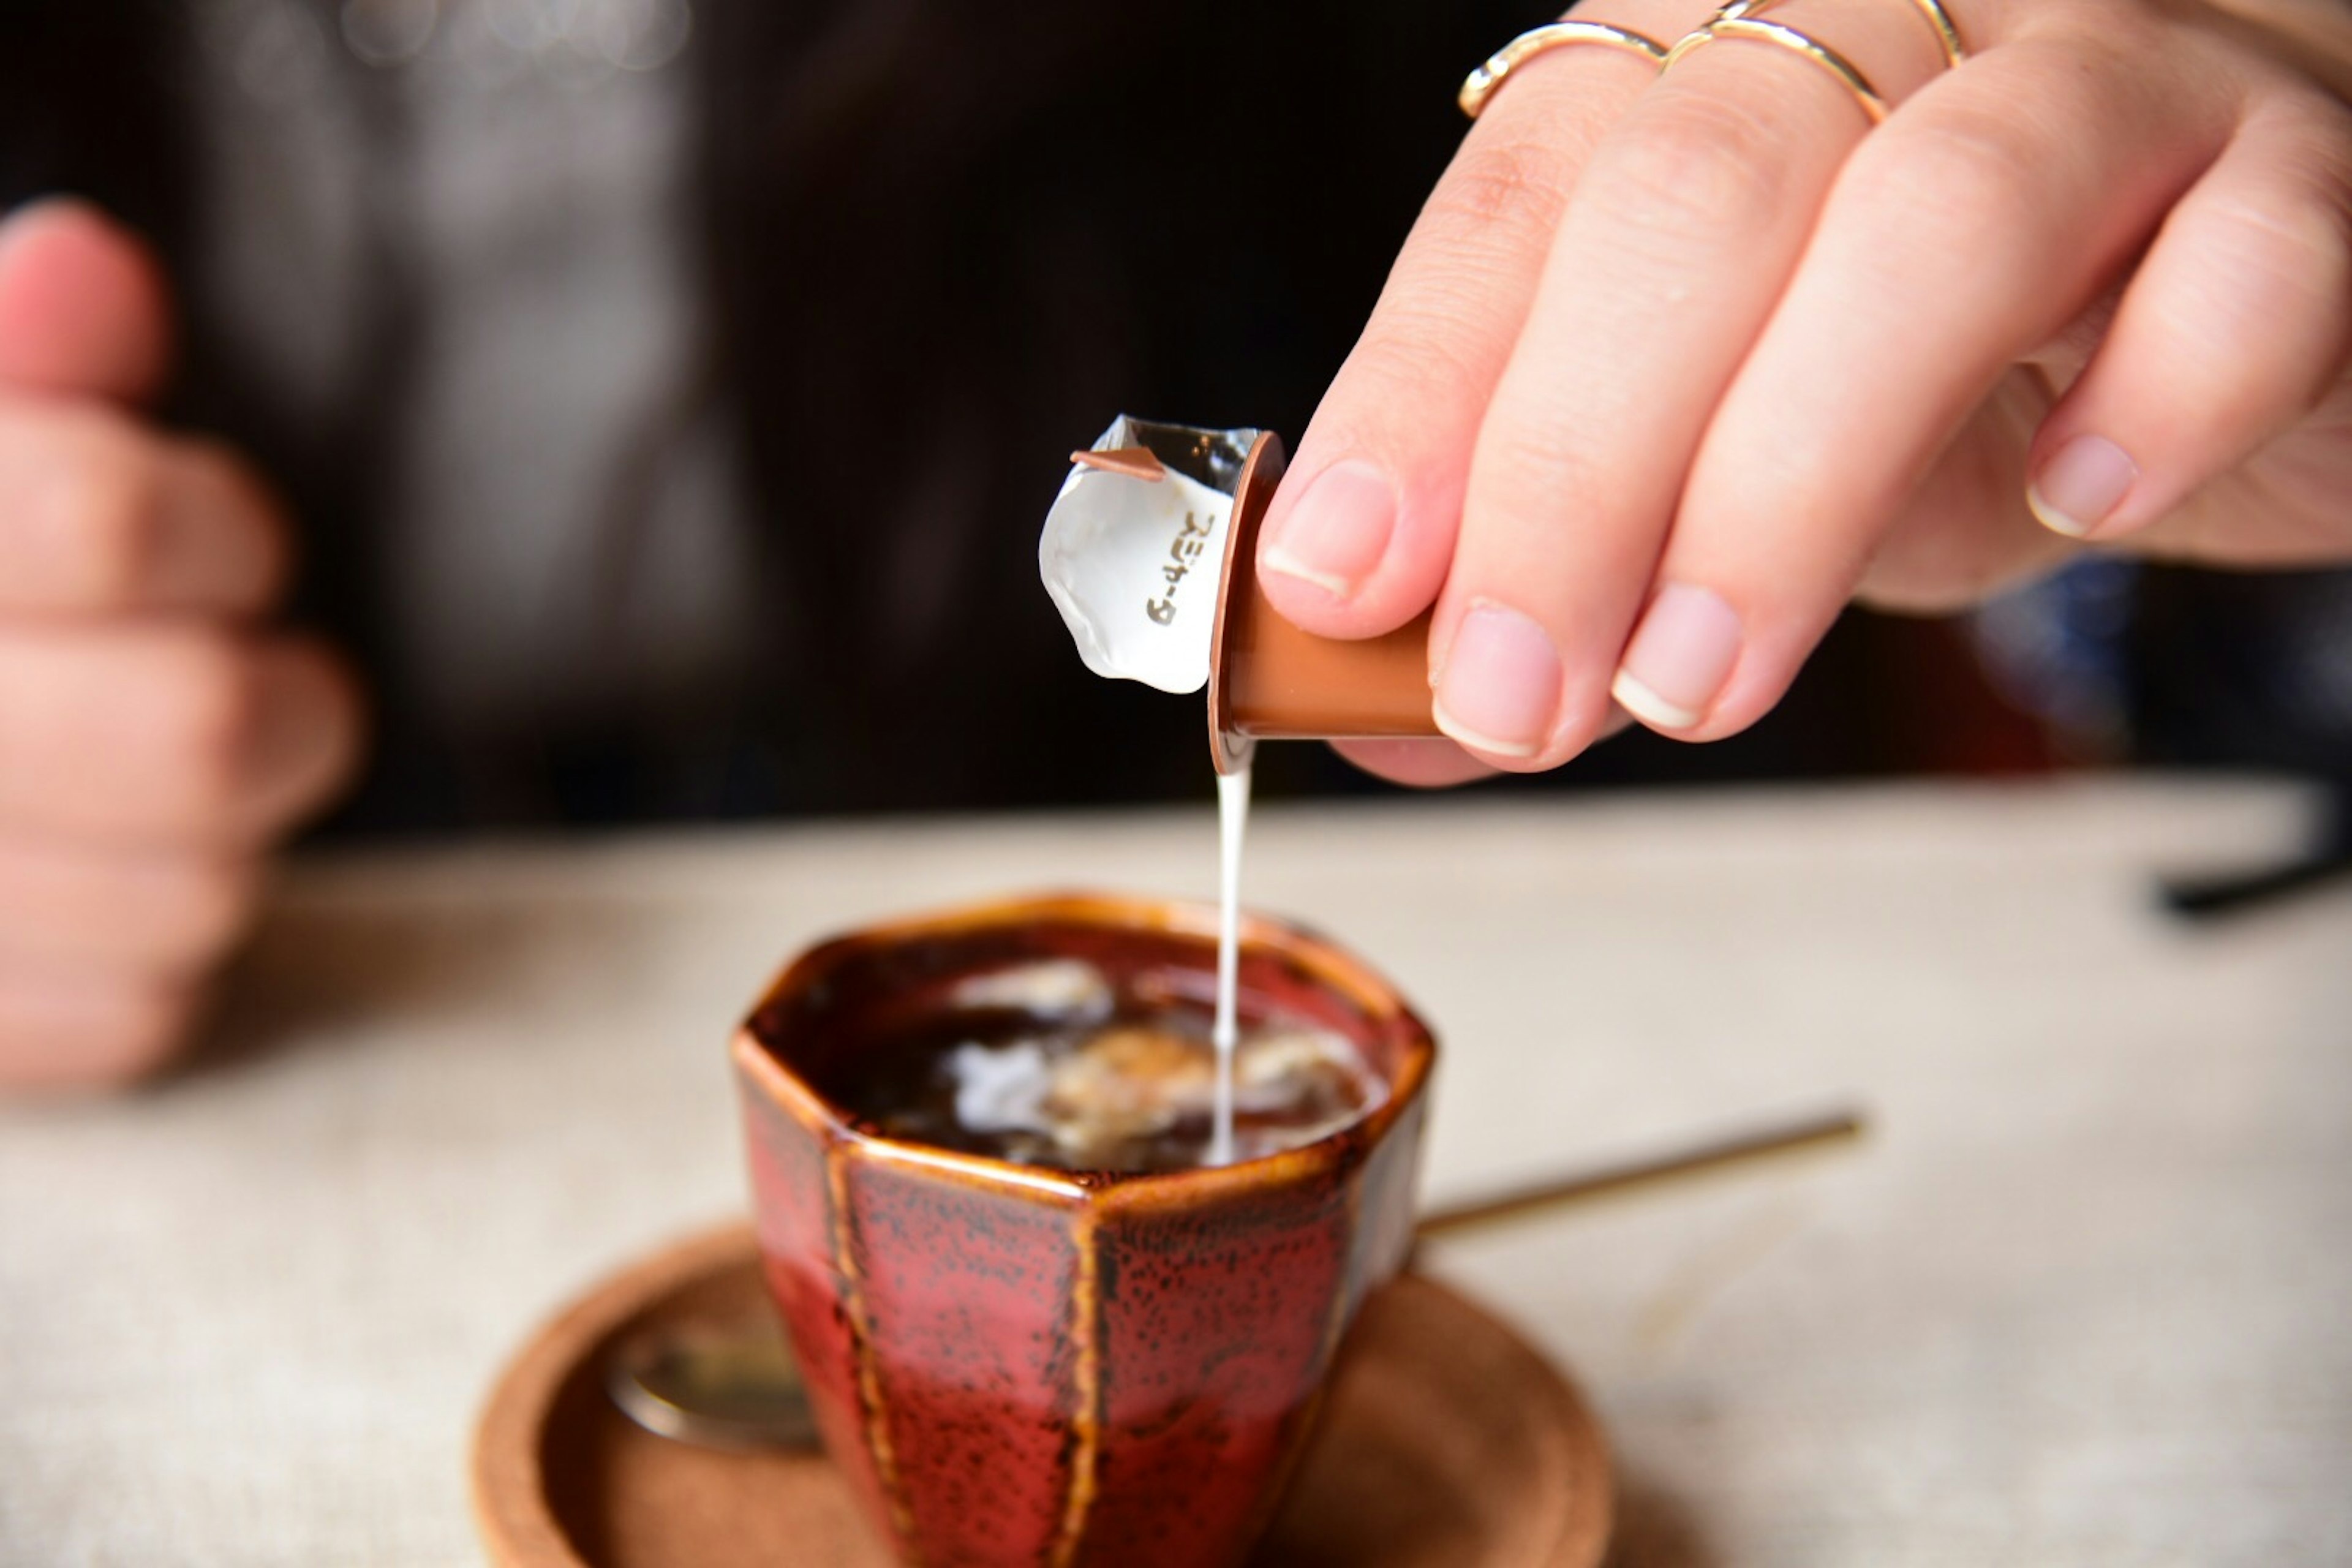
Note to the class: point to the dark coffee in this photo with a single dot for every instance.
(1050, 1063)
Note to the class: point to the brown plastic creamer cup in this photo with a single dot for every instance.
(1270, 681)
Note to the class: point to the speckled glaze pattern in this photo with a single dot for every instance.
(1017, 1367)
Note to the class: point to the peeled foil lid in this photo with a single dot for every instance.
(1133, 563)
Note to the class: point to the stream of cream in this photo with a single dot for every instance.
(1233, 816)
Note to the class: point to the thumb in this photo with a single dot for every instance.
(83, 307)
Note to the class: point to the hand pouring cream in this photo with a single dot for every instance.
(1151, 553)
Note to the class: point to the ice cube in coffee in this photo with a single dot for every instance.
(1056, 1063)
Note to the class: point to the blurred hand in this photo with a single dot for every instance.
(153, 738)
(1674, 366)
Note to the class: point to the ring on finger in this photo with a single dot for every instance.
(1481, 84)
(1948, 32)
(1738, 21)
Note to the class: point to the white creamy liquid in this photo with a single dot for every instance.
(1232, 815)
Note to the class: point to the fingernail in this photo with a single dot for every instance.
(2078, 488)
(29, 216)
(1337, 531)
(1501, 687)
(25, 222)
(1679, 659)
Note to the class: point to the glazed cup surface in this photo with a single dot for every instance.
(1016, 1365)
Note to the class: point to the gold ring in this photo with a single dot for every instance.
(1729, 11)
(1481, 84)
(1948, 32)
(1735, 22)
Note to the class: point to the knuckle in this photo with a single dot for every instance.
(1948, 183)
(1537, 450)
(1419, 358)
(2269, 257)
(1702, 169)
(1517, 186)
(208, 710)
(107, 507)
(222, 471)
(2313, 164)
(1528, 467)
(2270, 246)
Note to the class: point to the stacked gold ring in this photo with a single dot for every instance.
(1735, 19)
(1948, 32)
(1483, 83)
(1738, 21)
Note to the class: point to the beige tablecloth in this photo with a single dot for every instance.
(2086, 1295)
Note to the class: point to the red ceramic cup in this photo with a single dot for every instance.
(1016, 1365)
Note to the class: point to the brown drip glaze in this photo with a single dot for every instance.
(1270, 681)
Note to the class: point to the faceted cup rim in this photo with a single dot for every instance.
(759, 1070)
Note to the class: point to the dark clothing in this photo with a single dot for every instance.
(928, 248)
(938, 246)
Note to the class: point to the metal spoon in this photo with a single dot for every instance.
(734, 1386)
(720, 1385)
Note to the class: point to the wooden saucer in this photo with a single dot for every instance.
(1446, 1443)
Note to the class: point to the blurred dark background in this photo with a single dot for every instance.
(670, 394)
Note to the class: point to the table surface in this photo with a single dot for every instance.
(2083, 1295)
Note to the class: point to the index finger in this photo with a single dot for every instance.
(1359, 537)
(100, 515)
